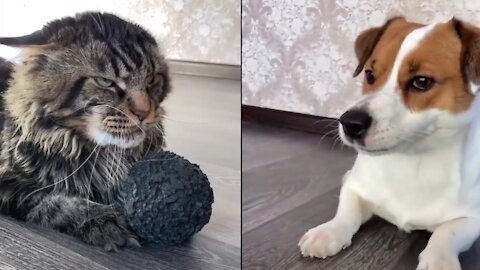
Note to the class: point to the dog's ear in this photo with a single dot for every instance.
(366, 42)
(34, 39)
(470, 37)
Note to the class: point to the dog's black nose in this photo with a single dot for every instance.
(355, 123)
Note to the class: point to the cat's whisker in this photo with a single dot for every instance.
(150, 144)
(156, 159)
(89, 186)
(119, 157)
(184, 121)
(64, 179)
(115, 161)
(160, 129)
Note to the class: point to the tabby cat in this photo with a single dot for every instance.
(80, 108)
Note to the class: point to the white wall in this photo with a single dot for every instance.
(191, 30)
(298, 55)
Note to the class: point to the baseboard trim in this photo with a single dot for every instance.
(291, 120)
(222, 71)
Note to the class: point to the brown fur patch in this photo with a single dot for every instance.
(438, 56)
(470, 37)
(383, 56)
(366, 42)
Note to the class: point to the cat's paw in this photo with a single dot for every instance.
(438, 259)
(109, 231)
(324, 240)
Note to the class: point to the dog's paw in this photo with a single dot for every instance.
(431, 259)
(110, 231)
(324, 240)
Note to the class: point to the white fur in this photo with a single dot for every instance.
(103, 138)
(474, 87)
(408, 45)
(416, 170)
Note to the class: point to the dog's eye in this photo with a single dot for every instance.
(421, 83)
(369, 76)
(102, 82)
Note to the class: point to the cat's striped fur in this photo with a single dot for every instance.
(56, 169)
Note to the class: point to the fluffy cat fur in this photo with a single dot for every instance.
(56, 169)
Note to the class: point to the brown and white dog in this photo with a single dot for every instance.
(417, 133)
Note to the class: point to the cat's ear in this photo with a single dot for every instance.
(32, 40)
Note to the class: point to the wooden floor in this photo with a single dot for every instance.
(203, 125)
(291, 183)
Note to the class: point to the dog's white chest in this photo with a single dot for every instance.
(413, 191)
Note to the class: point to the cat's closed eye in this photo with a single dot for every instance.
(103, 82)
(154, 79)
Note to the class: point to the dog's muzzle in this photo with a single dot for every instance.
(355, 123)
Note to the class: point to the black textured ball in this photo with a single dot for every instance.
(167, 199)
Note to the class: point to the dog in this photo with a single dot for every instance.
(417, 133)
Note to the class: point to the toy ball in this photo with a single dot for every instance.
(166, 199)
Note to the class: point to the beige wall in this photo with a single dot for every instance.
(191, 30)
(298, 55)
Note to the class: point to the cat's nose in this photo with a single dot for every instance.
(140, 105)
(141, 114)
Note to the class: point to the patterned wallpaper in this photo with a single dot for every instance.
(298, 55)
(192, 30)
